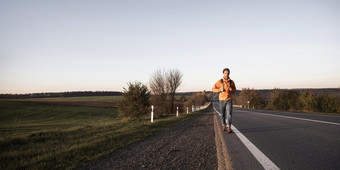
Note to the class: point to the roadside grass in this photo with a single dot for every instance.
(38, 136)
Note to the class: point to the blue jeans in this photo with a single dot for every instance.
(226, 107)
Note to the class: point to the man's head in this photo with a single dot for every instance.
(226, 73)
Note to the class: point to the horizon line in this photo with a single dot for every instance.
(176, 92)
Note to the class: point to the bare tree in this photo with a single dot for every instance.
(159, 91)
(174, 80)
(163, 85)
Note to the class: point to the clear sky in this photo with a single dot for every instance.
(78, 45)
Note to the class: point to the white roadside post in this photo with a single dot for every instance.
(187, 110)
(192, 109)
(177, 112)
(152, 113)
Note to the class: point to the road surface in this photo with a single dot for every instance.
(288, 140)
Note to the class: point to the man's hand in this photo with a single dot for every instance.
(221, 89)
(230, 89)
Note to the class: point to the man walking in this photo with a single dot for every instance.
(225, 87)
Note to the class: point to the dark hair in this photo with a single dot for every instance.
(225, 70)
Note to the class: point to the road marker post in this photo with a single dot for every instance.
(177, 112)
(151, 113)
(187, 110)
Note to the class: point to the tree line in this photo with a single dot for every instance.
(291, 100)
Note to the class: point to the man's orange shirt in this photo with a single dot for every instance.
(226, 94)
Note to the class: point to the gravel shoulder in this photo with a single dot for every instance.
(188, 145)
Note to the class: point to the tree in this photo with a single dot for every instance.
(174, 80)
(274, 100)
(163, 85)
(135, 102)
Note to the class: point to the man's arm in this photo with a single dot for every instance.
(216, 87)
(233, 87)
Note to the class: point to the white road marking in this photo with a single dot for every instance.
(261, 157)
(297, 118)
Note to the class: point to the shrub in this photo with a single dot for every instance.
(308, 101)
(135, 102)
(274, 100)
(327, 103)
(293, 100)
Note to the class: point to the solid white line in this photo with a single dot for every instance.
(261, 157)
(297, 118)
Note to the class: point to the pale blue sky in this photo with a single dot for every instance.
(77, 45)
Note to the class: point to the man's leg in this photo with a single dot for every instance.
(229, 110)
(223, 110)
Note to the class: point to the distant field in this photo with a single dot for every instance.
(36, 135)
(91, 101)
(86, 98)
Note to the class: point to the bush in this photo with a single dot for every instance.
(135, 102)
(275, 101)
(285, 100)
(327, 103)
(293, 100)
(308, 101)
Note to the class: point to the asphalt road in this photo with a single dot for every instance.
(289, 140)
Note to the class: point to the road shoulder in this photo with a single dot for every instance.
(187, 145)
(223, 158)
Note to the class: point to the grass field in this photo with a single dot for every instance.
(92, 101)
(86, 98)
(41, 136)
